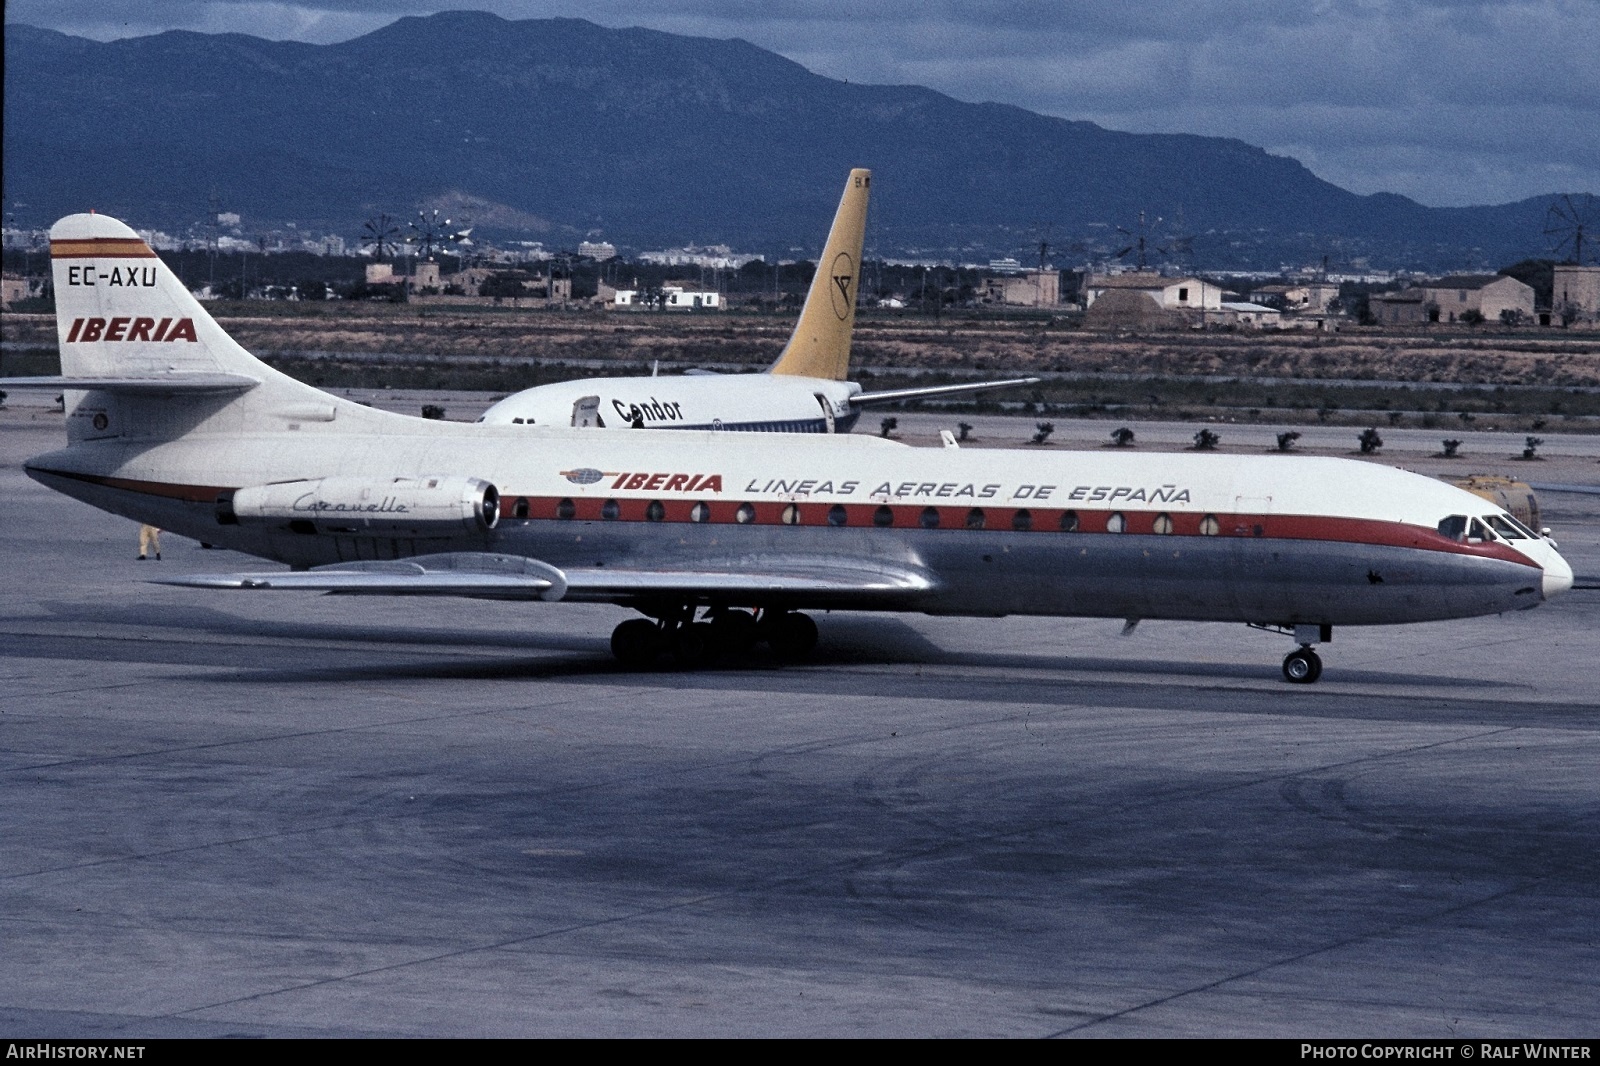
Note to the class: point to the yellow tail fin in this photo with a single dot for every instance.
(820, 346)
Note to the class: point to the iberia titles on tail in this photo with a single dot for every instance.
(172, 423)
(804, 391)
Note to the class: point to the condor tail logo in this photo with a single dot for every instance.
(130, 329)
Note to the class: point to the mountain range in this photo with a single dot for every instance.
(556, 129)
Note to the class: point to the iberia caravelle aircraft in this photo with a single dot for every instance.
(721, 540)
(803, 392)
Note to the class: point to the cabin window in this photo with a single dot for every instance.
(929, 518)
(655, 512)
(700, 512)
(975, 518)
(1116, 523)
(883, 516)
(745, 514)
(1162, 523)
(1209, 526)
(791, 515)
(1069, 521)
(566, 509)
(611, 510)
(1454, 527)
(1022, 521)
(1502, 527)
(520, 508)
(837, 515)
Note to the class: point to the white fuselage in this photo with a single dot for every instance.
(1279, 540)
(746, 402)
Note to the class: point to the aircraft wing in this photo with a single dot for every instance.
(895, 395)
(514, 577)
(150, 384)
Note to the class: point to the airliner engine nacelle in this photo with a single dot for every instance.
(388, 507)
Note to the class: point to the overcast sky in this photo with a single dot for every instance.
(1450, 102)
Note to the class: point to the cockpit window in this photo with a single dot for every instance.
(1518, 524)
(1454, 527)
(1478, 531)
(1502, 527)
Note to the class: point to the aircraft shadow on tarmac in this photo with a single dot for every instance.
(394, 652)
(846, 643)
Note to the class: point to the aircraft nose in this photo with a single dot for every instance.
(1557, 575)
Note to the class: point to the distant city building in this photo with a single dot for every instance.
(1488, 294)
(600, 250)
(1403, 308)
(470, 280)
(1005, 266)
(688, 299)
(1449, 299)
(672, 298)
(715, 256)
(1036, 288)
(14, 288)
(1576, 290)
(1313, 296)
(1250, 315)
(425, 275)
(1171, 294)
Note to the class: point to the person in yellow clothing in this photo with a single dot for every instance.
(149, 541)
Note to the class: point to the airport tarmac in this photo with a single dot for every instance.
(284, 815)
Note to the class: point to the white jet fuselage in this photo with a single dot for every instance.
(736, 402)
(1273, 540)
(171, 423)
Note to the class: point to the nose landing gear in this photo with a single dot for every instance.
(1302, 666)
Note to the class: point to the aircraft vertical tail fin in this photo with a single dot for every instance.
(820, 345)
(137, 347)
(121, 312)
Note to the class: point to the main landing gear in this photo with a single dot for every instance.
(639, 642)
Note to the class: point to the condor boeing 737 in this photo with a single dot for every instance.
(805, 391)
(718, 540)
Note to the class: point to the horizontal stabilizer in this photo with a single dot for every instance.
(895, 395)
(516, 577)
(149, 384)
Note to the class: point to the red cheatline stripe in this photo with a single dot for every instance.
(187, 493)
(953, 520)
(101, 248)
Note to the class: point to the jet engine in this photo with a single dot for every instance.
(389, 507)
